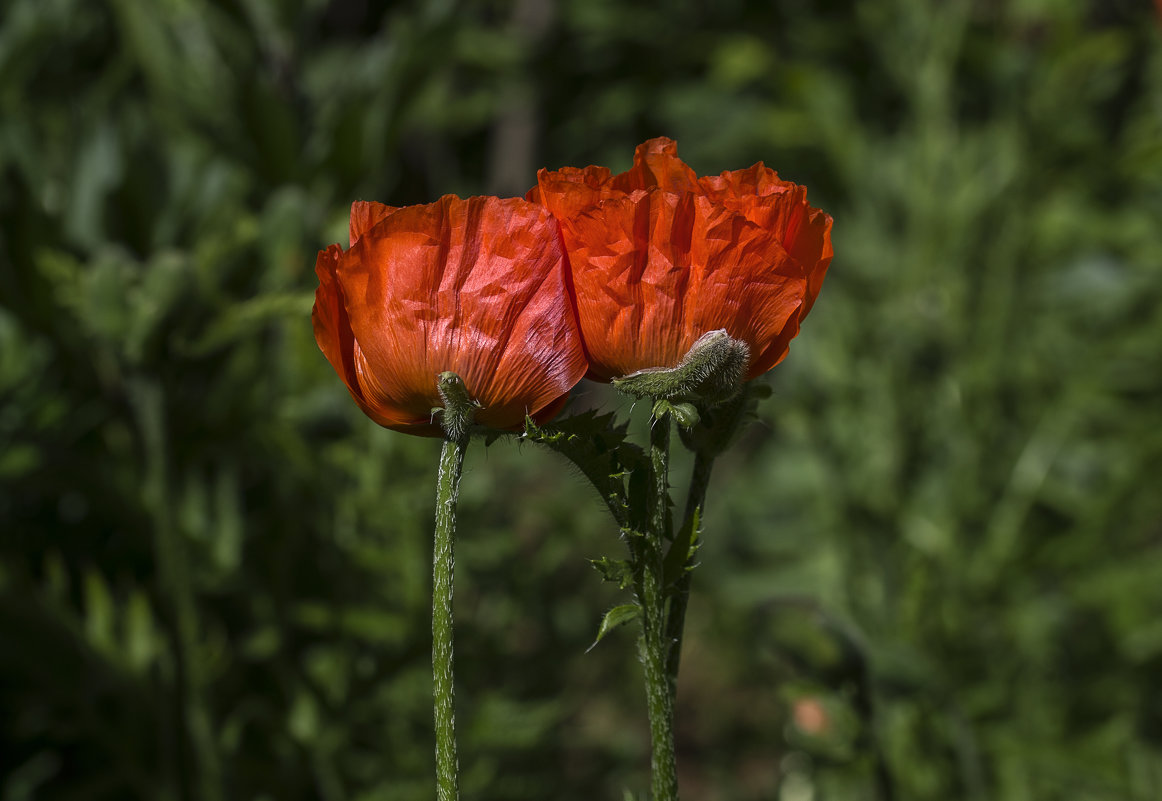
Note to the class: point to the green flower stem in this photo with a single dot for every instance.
(653, 600)
(676, 621)
(443, 564)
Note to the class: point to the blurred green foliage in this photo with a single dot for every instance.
(933, 566)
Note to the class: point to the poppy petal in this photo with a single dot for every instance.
(656, 166)
(653, 271)
(812, 249)
(659, 257)
(475, 286)
(569, 190)
(333, 329)
(365, 215)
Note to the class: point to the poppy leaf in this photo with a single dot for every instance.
(616, 571)
(596, 444)
(617, 616)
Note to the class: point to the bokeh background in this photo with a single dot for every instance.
(933, 566)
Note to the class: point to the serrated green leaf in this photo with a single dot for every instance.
(596, 444)
(602, 429)
(617, 616)
(618, 571)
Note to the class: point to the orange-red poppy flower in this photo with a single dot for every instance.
(476, 286)
(660, 257)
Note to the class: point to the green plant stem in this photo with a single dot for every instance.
(659, 699)
(443, 565)
(676, 620)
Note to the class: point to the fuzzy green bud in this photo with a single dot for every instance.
(710, 373)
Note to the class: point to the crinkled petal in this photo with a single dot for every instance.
(656, 166)
(570, 190)
(329, 317)
(812, 248)
(475, 286)
(759, 195)
(780, 206)
(660, 257)
(654, 271)
(365, 215)
(333, 330)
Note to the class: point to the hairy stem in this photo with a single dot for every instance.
(653, 600)
(676, 620)
(443, 565)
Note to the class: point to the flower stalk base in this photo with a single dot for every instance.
(456, 418)
(443, 564)
(652, 592)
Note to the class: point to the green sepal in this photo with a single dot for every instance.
(617, 616)
(718, 426)
(685, 545)
(617, 571)
(459, 409)
(684, 414)
(710, 373)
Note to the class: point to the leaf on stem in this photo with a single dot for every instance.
(617, 616)
(597, 445)
(618, 571)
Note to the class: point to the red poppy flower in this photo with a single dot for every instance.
(475, 286)
(660, 257)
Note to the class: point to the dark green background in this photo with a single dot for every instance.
(955, 485)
